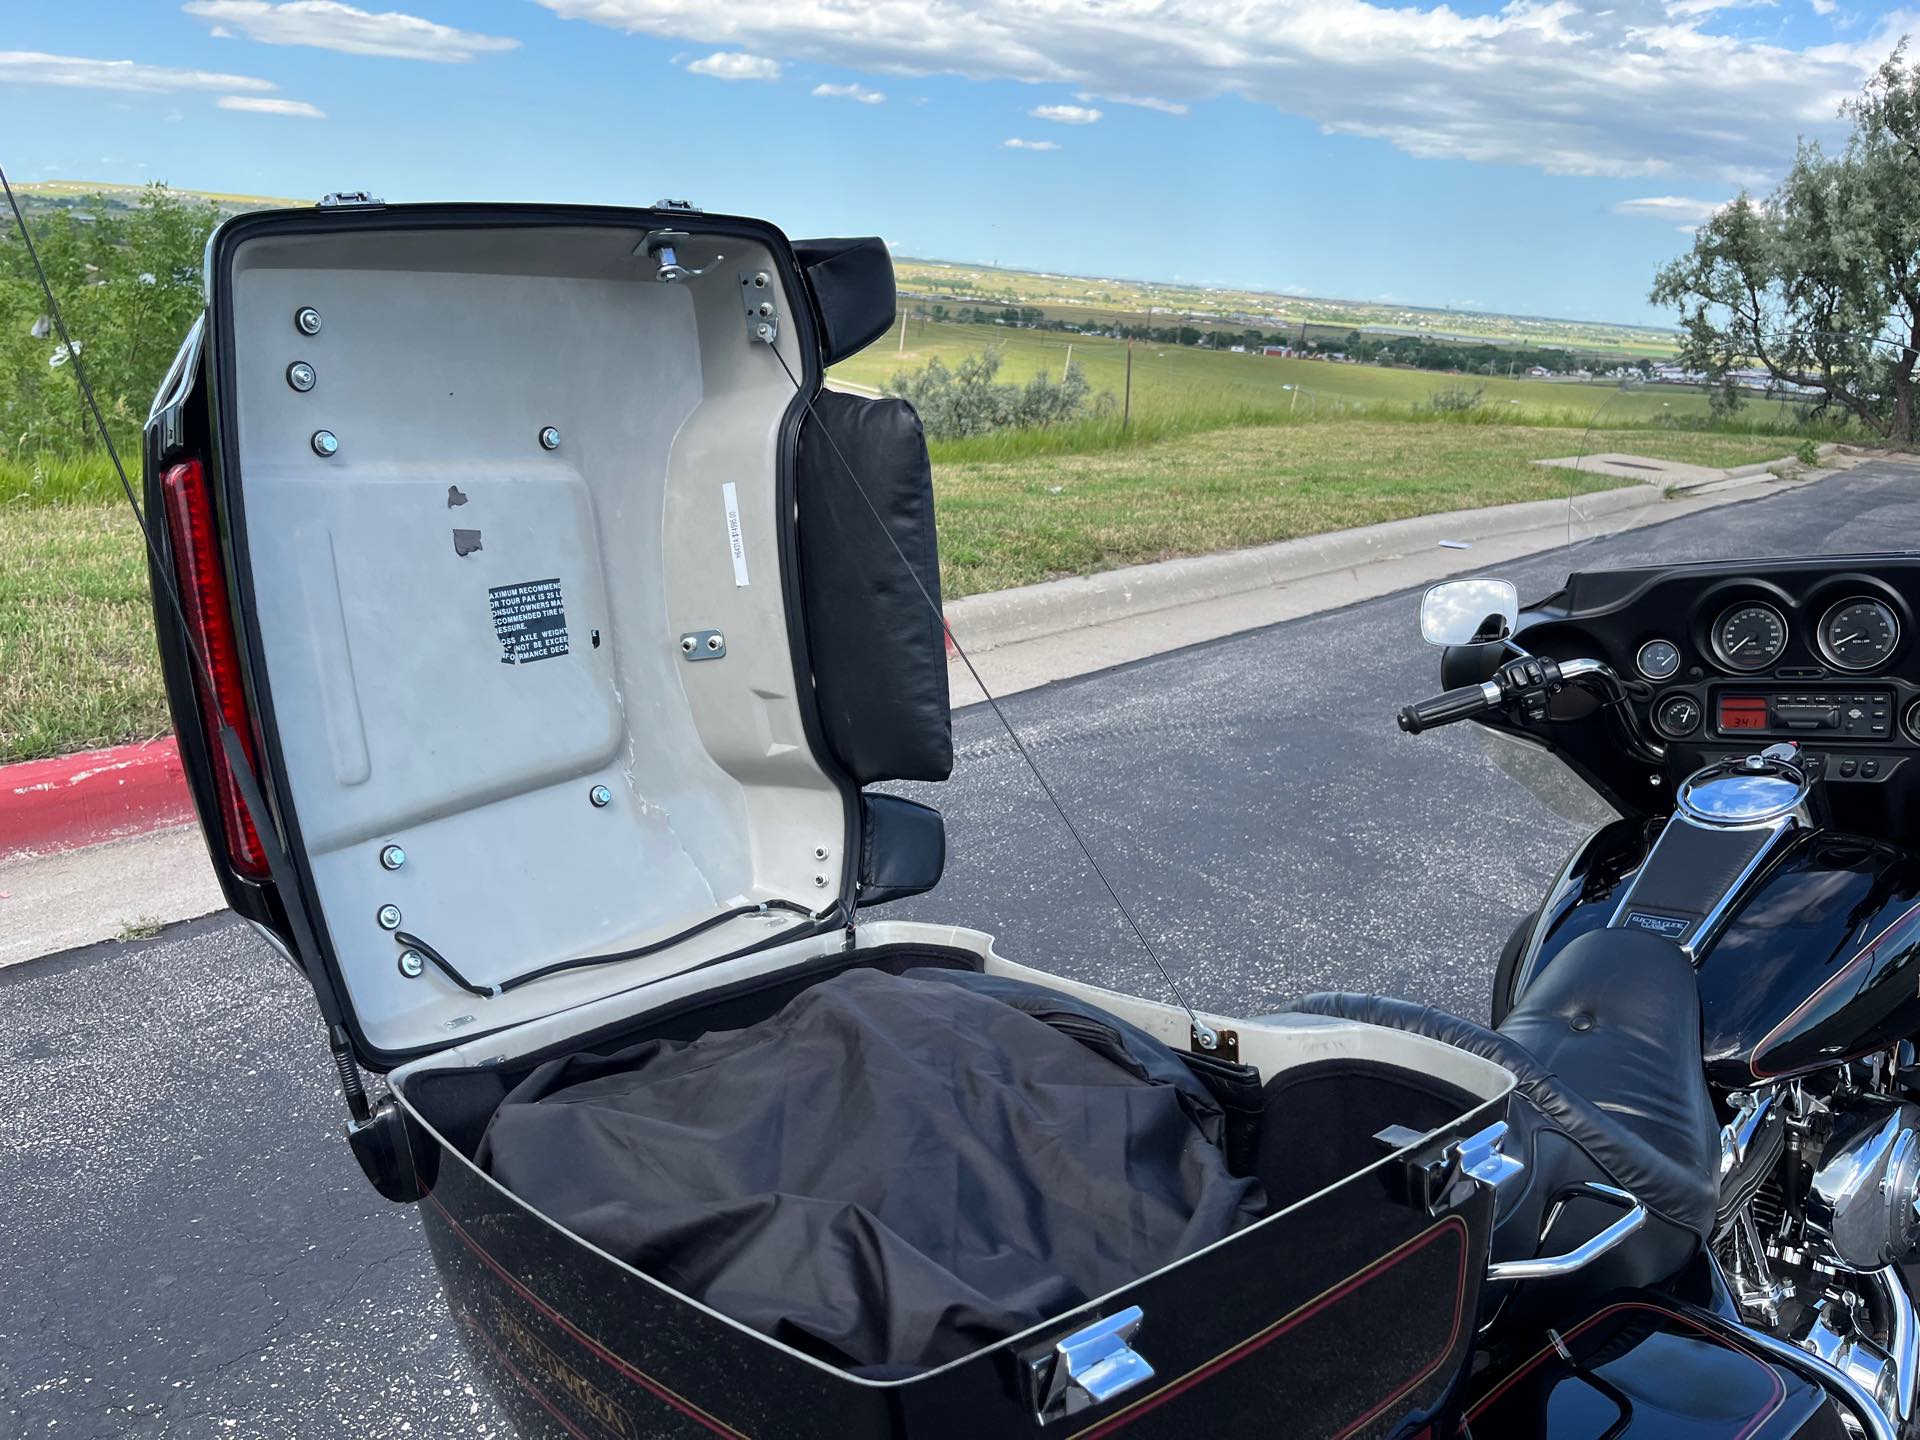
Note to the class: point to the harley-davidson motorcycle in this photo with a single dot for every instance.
(538, 683)
(1729, 971)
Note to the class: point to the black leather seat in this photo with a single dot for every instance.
(1605, 1046)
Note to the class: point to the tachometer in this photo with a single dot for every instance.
(1859, 634)
(1749, 637)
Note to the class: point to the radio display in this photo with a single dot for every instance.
(1743, 712)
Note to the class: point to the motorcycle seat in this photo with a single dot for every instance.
(1605, 1048)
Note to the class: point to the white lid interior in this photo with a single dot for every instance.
(442, 355)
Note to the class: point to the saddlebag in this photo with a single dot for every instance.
(565, 636)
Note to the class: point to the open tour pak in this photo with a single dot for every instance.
(539, 642)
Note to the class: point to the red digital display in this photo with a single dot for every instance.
(1743, 712)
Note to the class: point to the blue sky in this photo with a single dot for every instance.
(1542, 156)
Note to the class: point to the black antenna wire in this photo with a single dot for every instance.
(1203, 1032)
(251, 796)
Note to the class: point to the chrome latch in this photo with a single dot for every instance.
(350, 200)
(1483, 1159)
(1087, 1367)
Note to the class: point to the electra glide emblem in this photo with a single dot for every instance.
(581, 1394)
(1664, 925)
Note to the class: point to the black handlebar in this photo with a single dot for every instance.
(1458, 704)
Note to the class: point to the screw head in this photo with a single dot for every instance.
(766, 309)
(392, 857)
(412, 964)
(325, 444)
(760, 280)
(389, 917)
(549, 438)
(821, 881)
(713, 642)
(300, 376)
(307, 320)
(687, 645)
(764, 331)
(819, 852)
(601, 797)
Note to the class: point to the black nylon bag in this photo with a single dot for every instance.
(891, 1172)
(878, 649)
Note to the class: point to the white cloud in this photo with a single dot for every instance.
(1145, 102)
(30, 67)
(1065, 114)
(1824, 7)
(330, 25)
(736, 65)
(1679, 209)
(1587, 87)
(1017, 144)
(858, 93)
(258, 105)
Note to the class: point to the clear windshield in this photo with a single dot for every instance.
(1669, 468)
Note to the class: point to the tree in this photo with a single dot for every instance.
(129, 287)
(1819, 282)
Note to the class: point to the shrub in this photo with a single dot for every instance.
(969, 400)
(1808, 454)
(1457, 399)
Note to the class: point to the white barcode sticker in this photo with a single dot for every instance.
(735, 542)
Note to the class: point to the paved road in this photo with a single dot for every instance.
(187, 1249)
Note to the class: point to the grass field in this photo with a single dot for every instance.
(77, 667)
(1184, 381)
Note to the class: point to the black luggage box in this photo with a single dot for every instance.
(525, 565)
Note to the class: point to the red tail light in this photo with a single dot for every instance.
(203, 595)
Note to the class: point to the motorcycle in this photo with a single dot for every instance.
(1728, 971)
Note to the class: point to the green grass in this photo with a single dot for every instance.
(1006, 522)
(1184, 382)
(77, 663)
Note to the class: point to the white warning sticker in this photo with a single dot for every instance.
(735, 542)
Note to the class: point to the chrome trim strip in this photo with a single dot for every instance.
(1872, 1420)
(1717, 913)
(1904, 1341)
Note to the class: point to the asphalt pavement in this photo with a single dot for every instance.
(187, 1248)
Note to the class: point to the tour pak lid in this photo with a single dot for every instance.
(509, 497)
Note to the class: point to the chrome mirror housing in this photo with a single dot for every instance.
(1477, 611)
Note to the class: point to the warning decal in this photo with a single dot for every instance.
(529, 621)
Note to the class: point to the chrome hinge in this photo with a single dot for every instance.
(1089, 1366)
(349, 200)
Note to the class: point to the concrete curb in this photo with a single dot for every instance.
(981, 622)
(94, 796)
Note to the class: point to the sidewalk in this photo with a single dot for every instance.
(1018, 638)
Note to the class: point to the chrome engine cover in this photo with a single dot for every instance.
(1865, 1196)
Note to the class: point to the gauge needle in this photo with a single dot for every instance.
(1849, 639)
(1745, 640)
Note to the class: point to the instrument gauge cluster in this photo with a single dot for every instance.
(1750, 636)
(1859, 633)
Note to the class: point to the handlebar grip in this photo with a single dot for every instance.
(1457, 704)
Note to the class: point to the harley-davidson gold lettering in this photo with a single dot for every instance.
(585, 1396)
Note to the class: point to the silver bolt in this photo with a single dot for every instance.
(307, 320)
(819, 852)
(325, 444)
(687, 644)
(393, 857)
(766, 309)
(412, 964)
(763, 331)
(821, 881)
(389, 917)
(300, 376)
(760, 280)
(713, 642)
(549, 439)
(601, 797)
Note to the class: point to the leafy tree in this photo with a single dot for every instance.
(969, 400)
(129, 287)
(1819, 282)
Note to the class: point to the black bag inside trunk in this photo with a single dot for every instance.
(891, 1172)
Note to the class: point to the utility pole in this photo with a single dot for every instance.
(903, 334)
(1126, 408)
(1068, 365)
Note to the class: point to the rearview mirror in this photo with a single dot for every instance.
(1469, 612)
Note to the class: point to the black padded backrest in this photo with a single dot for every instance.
(878, 647)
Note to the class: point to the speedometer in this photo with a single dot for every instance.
(1859, 634)
(1749, 637)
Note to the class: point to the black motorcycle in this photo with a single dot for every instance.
(1717, 995)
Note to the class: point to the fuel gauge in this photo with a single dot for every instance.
(1658, 659)
(1677, 716)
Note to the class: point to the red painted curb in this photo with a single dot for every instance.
(96, 795)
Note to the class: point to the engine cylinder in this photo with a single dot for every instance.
(1865, 1197)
